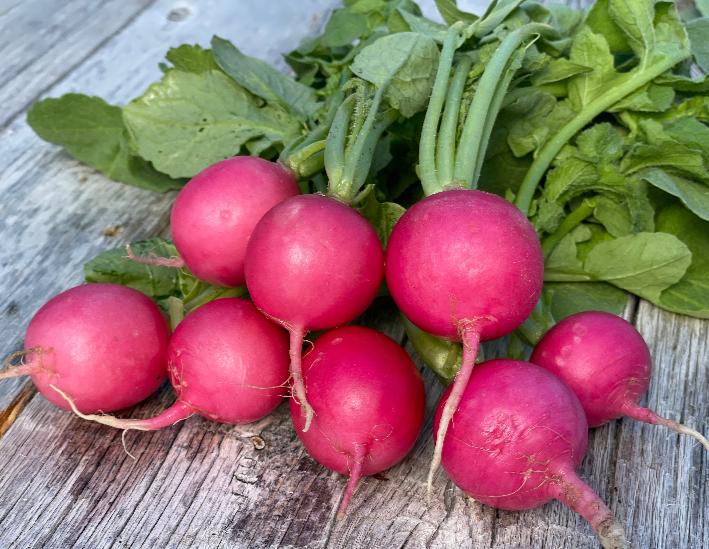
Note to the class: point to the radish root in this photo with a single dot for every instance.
(360, 454)
(648, 416)
(470, 336)
(297, 334)
(174, 262)
(10, 369)
(575, 493)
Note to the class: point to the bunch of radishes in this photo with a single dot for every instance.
(461, 264)
(509, 433)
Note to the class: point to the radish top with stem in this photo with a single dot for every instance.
(606, 362)
(313, 262)
(464, 264)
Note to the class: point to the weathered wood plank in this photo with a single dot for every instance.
(54, 208)
(660, 479)
(42, 40)
(69, 483)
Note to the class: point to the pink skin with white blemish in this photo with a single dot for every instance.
(368, 400)
(607, 364)
(515, 441)
(215, 213)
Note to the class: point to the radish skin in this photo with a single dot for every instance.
(516, 439)
(606, 362)
(467, 266)
(227, 363)
(369, 404)
(215, 213)
(312, 263)
(104, 345)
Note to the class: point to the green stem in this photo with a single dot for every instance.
(471, 148)
(442, 356)
(307, 160)
(347, 188)
(364, 163)
(569, 224)
(603, 102)
(175, 311)
(336, 139)
(446, 146)
(427, 144)
(495, 107)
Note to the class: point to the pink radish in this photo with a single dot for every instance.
(464, 265)
(368, 400)
(226, 362)
(607, 364)
(104, 345)
(312, 263)
(516, 439)
(215, 213)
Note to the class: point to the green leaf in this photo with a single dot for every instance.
(600, 22)
(557, 70)
(690, 296)
(635, 19)
(424, 26)
(264, 81)
(531, 118)
(650, 98)
(564, 259)
(115, 267)
(644, 264)
(702, 6)
(697, 107)
(187, 122)
(613, 215)
(570, 178)
(600, 143)
(191, 58)
(343, 28)
(684, 83)
(590, 50)
(562, 299)
(569, 298)
(698, 31)
(158, 283)
(93, 132)
(450, 13)
(694, 195)
(382, 215)
(671, 155)
(496, 13)
(407, 62)
(692, 133)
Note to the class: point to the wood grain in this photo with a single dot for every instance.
(67, 483)
(43, 40)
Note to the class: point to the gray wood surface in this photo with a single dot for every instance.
(64, 482)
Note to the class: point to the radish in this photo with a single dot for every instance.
(607, 364)
(215, 213)
(368, 400)
(226, 362)
(464, 264)
(103, 345)
(313, 262)
(516, 439)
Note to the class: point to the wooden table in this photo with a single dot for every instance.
(68, 483)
